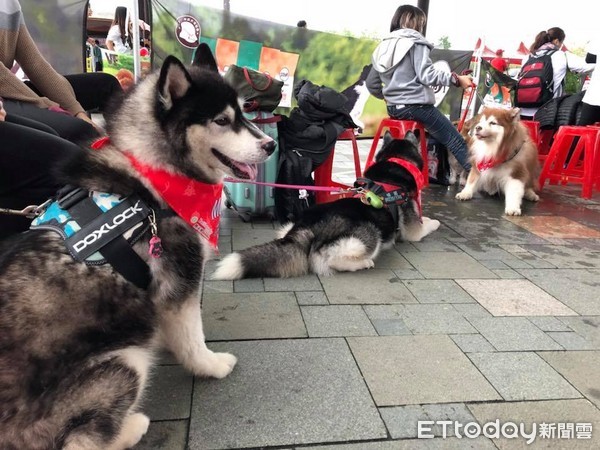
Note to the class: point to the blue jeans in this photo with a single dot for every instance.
(438, 127)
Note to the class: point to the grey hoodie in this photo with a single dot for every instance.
(402, 70)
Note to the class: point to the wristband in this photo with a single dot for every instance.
(454, 79)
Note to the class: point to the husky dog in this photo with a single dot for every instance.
(357, 95)
(77, 340)
(503, 158)
(347, 234)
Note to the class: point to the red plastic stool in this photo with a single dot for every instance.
(584, 164)
(534, 130)
(398, 129)
(323, 173)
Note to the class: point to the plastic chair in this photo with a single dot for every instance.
(323, 173)
(583, 165)
(534, 130)
(398, 129)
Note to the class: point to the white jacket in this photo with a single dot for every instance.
(592, 93)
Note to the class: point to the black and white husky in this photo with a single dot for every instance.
(347, 234)
(77, 340)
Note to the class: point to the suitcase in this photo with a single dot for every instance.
(252, 200)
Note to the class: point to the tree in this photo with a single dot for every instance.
(444, 42)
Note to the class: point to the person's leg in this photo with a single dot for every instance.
(94, 90)
(27, 158)
(67, 127)
(438, 127)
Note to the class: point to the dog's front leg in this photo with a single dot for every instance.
(513, 192)
(469, 189)
(182, 332)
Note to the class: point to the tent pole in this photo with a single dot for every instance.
(135, 38)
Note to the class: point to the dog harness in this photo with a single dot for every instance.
(100, 228)
(387, 194)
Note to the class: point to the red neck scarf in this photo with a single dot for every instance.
(486, 164)
(199, 204)
(416, 174)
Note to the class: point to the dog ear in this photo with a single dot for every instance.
(515, 114)
(387, 138)
(203, 57)
(174, 81)
(412, 138)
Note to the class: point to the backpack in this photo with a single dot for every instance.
(535, 85)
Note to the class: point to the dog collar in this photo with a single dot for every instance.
(197, 203)
(486, 164)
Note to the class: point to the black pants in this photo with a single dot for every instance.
(29, 151)
(589, 114)
(93, 91)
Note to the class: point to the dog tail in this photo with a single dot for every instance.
(281, 258)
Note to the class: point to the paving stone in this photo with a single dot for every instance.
(312, 298)
(252, 316)
(580, 368)
(392, 259)
(479, 443)
(537, 412)
(436, 245)
(547, 323)
(470, 310)
(336, 320)
(408, 274)
(483, 252)
(578, 289)
(588, 327)
(448, 265)
(397, 372)
(514, 298)
(169, 435)
(366, 287)
(435, 319)
(494, 264)
(390, 327)
(566, 257)
(304, 283)
(169, 393)
(522, 376)
(284, 392)
(516, 263)
(247, 237)
(470, 343)
(422, 319)
(210, 287)
(507, 274)
(572, 341)
(402, 421)
(556, 226)
(513, 334)
(438, 291)
(249, 285)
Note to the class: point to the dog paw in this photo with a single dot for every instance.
(369, 264)
(433, 224)
(219, 366)
(464, 196)
(134, 428)
(512, 211)
(532, 197)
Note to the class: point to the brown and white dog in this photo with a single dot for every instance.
(504, 159)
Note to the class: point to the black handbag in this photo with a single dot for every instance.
(260, 91)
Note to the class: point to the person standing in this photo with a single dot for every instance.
(117, 39)
(590, 106)
(499, 63)
(97, 52)
(403, 74)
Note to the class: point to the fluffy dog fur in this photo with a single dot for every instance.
(507, 159)
(344, 235)
(77, 341)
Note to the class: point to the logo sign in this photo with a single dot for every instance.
(188, 31)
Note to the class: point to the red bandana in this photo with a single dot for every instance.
(199, 204)
(416, 174)
(486, 164)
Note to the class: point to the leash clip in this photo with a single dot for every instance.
(155, 242)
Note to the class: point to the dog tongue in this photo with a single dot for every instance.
(249, 169)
